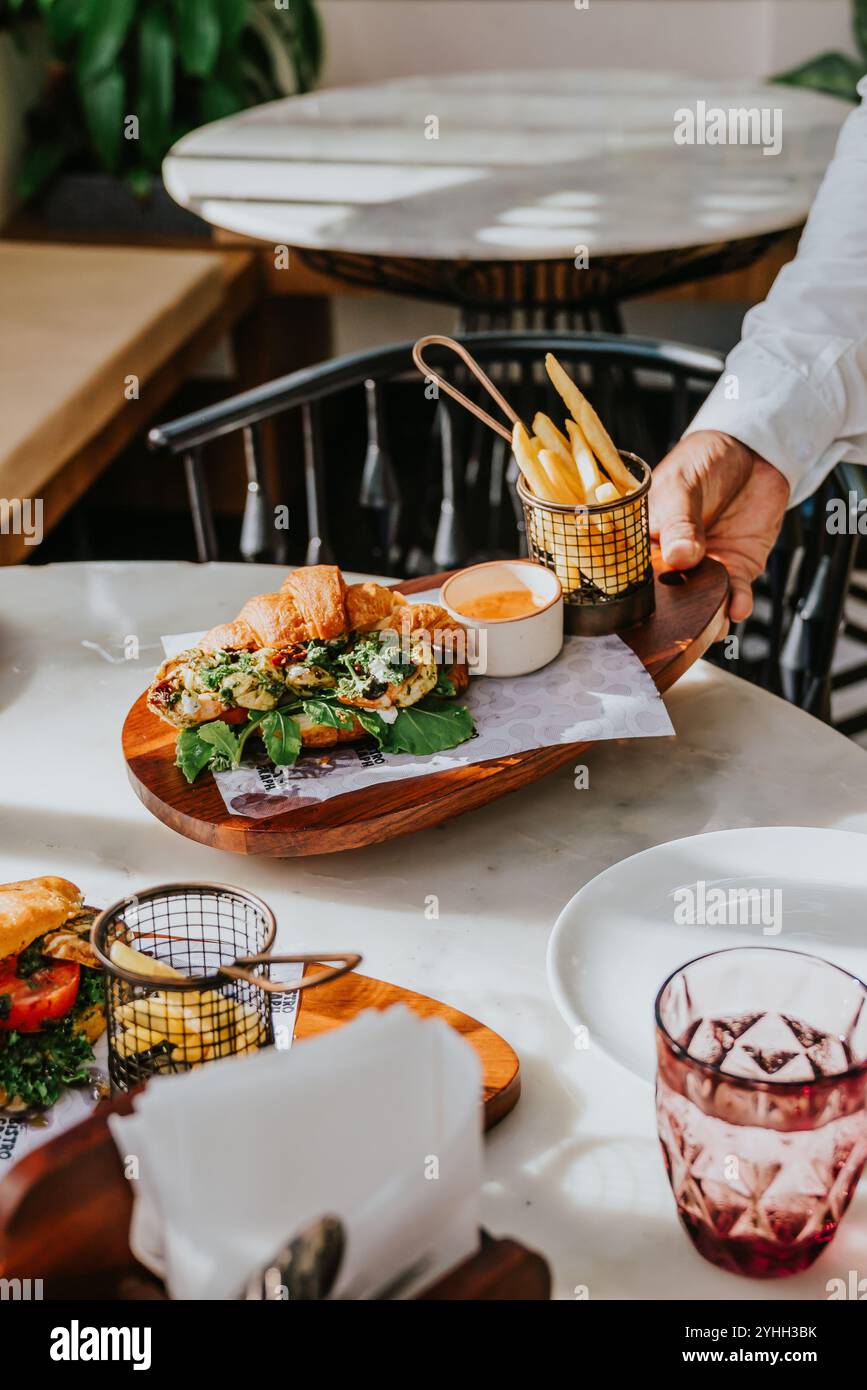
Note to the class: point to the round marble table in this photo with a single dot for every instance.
(483, 188)
(575, 1170)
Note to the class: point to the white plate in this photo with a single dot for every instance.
(617, 940)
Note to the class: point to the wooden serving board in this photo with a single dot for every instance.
(690, 615)
(65, 1207)
(330, 1005)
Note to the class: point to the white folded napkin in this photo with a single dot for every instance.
(377, 1123)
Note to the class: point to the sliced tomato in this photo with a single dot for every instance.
(47, 994)
(235, 716)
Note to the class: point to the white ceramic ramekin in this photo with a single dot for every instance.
(509, 646)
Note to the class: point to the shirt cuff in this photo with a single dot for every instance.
(769, 406)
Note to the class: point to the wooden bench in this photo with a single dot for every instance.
(94, 340)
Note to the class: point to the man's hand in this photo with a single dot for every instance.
(712, 494)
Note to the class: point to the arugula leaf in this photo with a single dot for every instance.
(445, 688)
(281, 736)
(192, 753)
(225, 746)
(324, 712)
(371, 724)
(214, 745)
(251, 727)
(427, 728)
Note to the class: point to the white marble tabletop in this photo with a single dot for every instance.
(525, 165)
(575, 1170)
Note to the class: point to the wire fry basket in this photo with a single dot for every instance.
(600, 552)
(208, 992)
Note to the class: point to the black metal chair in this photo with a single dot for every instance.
(420, 485)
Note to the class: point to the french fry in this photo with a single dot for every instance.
(140, 964)
(212, 1027)
(553, 490)
(131, 1041)
(552, 438)
(594, 431)
(601, 568)
(156, 1014)
(606, 521)
(188, 1047)
(563, 481)
(588, 468)
(528, 461)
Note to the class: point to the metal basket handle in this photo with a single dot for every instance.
(470, 361)
(348, 960)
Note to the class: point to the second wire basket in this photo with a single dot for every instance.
(188, 971)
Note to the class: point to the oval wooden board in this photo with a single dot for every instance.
(331, 1005)
(689, 616)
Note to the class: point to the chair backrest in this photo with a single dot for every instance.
(426, 483)
(397, 478)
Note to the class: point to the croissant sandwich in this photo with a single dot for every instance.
(317, 664)
(51, 992)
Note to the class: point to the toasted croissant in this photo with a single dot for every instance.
(32, 906)
(319, 593)
(275, 619)
(369, 607)
(238, 636)
(313, 602)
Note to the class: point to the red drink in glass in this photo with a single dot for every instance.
(761, 1101)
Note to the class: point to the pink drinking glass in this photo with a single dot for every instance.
(761, 1101)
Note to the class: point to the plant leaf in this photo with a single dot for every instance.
(65, 18)
(312, 35)
(308, 45)
(281, 736)
(859, 25)
(217, 99)
(104, 33)
(333, 715)
(428, 728)
(198, 36)
(371, 724)
(102, 101)
(38, 167)
(192, 753)
(224, 744)
(834, 73)
(156, 74)
(274, 39)
(233, 18)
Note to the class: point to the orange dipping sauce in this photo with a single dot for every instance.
(499, 606)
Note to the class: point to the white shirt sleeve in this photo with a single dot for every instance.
(799, 373)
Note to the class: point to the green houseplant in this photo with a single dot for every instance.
(837, 74)
(125, 79)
